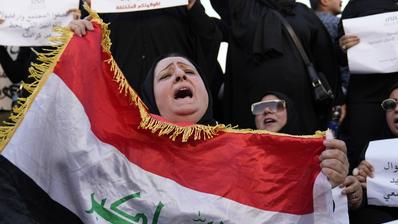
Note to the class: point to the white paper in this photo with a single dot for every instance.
(377, 51)
(113, 6)
(383, 188)
(392, 222)
(31, 22)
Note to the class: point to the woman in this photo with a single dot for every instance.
(175, 90)
(275, 112)
(371, 213)
(138, 38)
(365, 118)
(261, 55)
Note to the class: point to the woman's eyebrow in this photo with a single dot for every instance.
(167, 67)
(185, 65)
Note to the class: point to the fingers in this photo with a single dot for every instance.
(362, 180)
(343, 113)
(335, 144)
(79, 27)
(334, 162)
(365, 169)
(333, 165)
(348, 41)
(351, 185)
(76, 13)
(353, 190)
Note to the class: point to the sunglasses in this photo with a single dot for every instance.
(389, 104)
(273, 105)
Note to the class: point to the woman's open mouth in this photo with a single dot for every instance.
(182, 93)
(269, 121)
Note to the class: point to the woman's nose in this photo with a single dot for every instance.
(180, 75)
(268, 110)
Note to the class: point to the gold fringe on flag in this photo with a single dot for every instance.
(39, 73)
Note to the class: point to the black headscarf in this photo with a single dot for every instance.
(283, 6)
(148, 96)
(270, 44)
(291, 126)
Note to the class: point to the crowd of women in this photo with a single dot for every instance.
(266, 84)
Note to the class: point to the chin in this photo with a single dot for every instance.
(188, 117)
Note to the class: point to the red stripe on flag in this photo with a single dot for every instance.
(274, 173)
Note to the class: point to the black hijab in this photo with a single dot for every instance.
(292, 126)
(148, 96)
(283, 6)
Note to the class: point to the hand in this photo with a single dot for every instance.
(348, 41)
(334, 162)
(353, 190)
(88, 2)
(80, 26)
(343, 113)
(76, 14)
(364, 170)
(1, 21)
(190, 4)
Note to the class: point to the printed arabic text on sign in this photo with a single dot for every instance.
(115, 6)
(376, 51)
(31, 22)
(383, 188)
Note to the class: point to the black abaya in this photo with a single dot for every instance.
(262, 57)
(138, 38)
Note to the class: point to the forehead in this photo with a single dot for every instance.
(394, 94)
(164, 63)
(269, 97)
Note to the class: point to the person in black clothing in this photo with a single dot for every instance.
(261, 56)
(138, 38)
(365, 118)
(176, 90)
(372, 213)
(16, 70)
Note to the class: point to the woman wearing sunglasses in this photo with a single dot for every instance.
(275, 112)
(370, 213)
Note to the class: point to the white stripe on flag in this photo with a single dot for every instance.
(55, 146)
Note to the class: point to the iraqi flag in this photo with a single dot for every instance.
(82, 148)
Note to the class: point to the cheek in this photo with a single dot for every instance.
(283, 118)
(390, 119)
(259, 121)
(202, 92)
(161, 92)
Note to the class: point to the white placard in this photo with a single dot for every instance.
(383, 188)
(113, 6)
(31, 22)
(392, 222)
(377, 51)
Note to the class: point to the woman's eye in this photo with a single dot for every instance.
(165, 76)
(189, 72)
